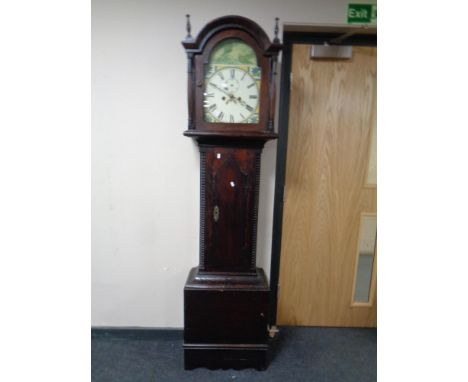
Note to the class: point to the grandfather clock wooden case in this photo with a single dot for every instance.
(231, 99)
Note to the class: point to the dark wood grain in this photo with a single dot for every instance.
(225, 356)
(226, 320)
(226, 298)
(230, 180)
(235, 313)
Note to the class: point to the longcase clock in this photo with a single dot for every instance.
(231, 99)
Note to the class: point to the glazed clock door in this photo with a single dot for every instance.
(232, 84)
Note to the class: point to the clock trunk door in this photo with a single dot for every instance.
(229, 208)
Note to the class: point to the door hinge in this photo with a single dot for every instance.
(290, 80)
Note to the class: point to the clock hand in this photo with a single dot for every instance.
(231, 96)
(243, 103)
(222, 90)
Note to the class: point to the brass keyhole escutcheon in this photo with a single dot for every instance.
(216, 213)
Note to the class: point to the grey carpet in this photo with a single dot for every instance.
(298, 354)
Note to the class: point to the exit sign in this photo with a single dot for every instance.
(362, 13)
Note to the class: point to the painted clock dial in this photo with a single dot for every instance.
(232, 84)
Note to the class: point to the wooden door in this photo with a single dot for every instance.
(330, 191)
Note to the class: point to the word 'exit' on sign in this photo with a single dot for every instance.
(362, 13)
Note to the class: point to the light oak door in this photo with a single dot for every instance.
(328, 250)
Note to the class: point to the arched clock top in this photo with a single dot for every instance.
(231, 80)
(197, 44)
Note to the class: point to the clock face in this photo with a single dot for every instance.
(232, 84)
(231, 96)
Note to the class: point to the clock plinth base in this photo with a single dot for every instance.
(226, 320)
(216, 356)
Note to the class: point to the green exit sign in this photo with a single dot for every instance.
(362, 13)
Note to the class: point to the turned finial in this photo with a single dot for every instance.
(188, 27)
(276, 39)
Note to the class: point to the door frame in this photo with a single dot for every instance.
(312, 35)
